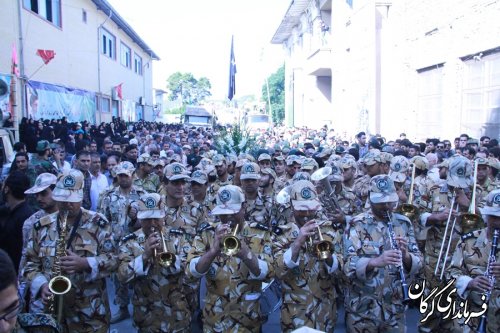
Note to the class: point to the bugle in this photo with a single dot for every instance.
(409, 209)
(163, 257)
(394, 246)
(231, 243)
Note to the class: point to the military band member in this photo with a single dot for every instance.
(223, 177)
(90, 257)
(145, 177)
(234, 282)
(279, 166)
(159, 292)
(119, 206)
(469, 264)
(484, 184)
(306, 275)
(372, 162)
(398, 172)
(264, 161)
(373, 299)
(258, 207)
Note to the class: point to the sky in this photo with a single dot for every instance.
(195, 36)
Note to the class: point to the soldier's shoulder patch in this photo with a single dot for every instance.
(129, 237)
(205, 226)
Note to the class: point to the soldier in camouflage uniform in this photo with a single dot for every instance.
(458, 180)
(373, 300)
(468, 267)
(198, 199)
(258, 207)
(40, 162)
(279, 166)
(119, 206)
(306, 278)
(484, 184)
(145, 177)
(264, 161)
(234, 283)
(398, 172)
(91, 256)
(293, 164)
(223, 177)
(158, 297)
(372, 164)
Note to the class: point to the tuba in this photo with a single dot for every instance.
(471, 221)
(230, 243)
(409, 209)
(59, 285)
(163, 257)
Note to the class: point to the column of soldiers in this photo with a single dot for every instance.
(344, 238)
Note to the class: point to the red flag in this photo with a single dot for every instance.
(15, 66)
(117, 92)
(46, 55)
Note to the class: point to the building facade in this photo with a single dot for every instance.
(78, 59)
(425, 68)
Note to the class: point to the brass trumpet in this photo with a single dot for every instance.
(323, 248)
(230, 243)
(164, 257)
(409, 209)
(470, 220)
(59, 285)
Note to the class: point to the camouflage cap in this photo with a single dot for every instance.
(229, 200)
(269, 171)
(492, 206)
(382, 189)
(125, 168)
(204, 163)
(372, 157)
(309, 164)
(42, 182)
(199, 177)
(42, 145)
(301, 175)
(303, 196)
(346, 163)
(386, 157)
(150, 206)
(326, 152)
(246, 156)
(337, 174)
(241, 162)
(278, 158)
(250, 170)
(175, 171)
(292, 159)
(145, 158)
(459, 172)
(444, 164)
(420, 162)
(231, 158)
(175, 158)
(285, 150)
(482, 161)
(218, 160)
(159, 163)
(264, 157)
(399, 168)
(494, 163)
(69, 186)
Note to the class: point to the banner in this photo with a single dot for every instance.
(50, 101)
(128, 110)
(5, 104)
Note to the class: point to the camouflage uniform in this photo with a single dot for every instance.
(373, 301)
(35, 322)
(86, 304)
(259, 210)
(308, 296)
(361, 190)
(41, 165)
(482, 191)
(159, 297)
(150, 184)
(232, 299)
(215, 186)
(469, 261)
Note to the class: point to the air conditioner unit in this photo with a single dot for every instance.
(142, 101)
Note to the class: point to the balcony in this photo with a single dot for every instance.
(319, 63)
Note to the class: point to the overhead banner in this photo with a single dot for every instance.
(5, 100)
(49, 101)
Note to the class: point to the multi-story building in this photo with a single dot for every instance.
(77, 58)
(426, 68)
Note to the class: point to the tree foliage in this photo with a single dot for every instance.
(186, 87)
(277, 94)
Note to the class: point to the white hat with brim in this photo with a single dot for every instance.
(177, 177)
(492, 205)
(64, 195)
(42, 182)
(306, 205)
(151, 214)
(226, 209)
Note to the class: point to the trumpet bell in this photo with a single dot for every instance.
(323, 249)
(321, 173)
(409, 210)
(59, 285)
(166, 259)
(471, 222)
(231, 245)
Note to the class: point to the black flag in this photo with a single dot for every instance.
(232, 74)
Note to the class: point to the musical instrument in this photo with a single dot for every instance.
(230, 243)
(444, 238)
(491, 259)
(471, 221)
(163, 257)
(394, 246)
(321, 176)
(59, 285)
(409, 209)
(323, 248)
(283, 196)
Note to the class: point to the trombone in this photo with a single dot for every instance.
(409, 209)
(164, 257)
(444, 238)
(230, 243)
(470, 220)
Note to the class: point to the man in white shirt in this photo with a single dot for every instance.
(99, 181)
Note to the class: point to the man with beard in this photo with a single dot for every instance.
(293, 164)
(484, 184)
(223, 177)
(258, 207)
(40, 161)
(82, 163)
(279, 166)
(90, 257)
(145, 177)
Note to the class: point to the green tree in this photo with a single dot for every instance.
(189, 89)
(277, 94)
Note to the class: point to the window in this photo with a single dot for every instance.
(105, 104)
(125, 55)
(137, 64)
(108, 42)
(50, 10)
(84, 16)
(481, 96)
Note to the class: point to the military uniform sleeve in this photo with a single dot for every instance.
(264, 256)
(33, 271)
(131, 262)
(458, 271)
(355, 259)
(282, 253)
(199, 247)
(106, 262)
(417, 260)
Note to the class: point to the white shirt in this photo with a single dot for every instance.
(99, 184)
(65, 167)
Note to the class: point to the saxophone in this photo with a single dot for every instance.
(59, 284)
(491, 277)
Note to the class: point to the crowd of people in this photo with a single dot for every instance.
(156, 208)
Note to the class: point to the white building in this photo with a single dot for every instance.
(95, 51)
(426, 68)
